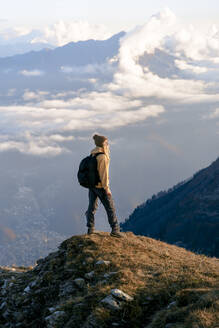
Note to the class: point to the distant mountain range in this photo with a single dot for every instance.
(186, 215)
(14, 49)
(22, 44)
(72, 54)
(48, 69)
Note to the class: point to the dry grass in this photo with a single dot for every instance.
(155, 274)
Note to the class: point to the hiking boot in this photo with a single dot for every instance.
(90, 231)
(116, 232)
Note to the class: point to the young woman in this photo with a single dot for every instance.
(102, 189)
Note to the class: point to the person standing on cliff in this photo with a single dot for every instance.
(102, 189)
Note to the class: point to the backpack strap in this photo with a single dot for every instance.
(95, 155)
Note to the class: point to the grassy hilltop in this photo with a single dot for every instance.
(166, 286)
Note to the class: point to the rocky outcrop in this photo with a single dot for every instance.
(37, 297)
(116, 299)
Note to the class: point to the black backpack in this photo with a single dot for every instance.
(88, 175)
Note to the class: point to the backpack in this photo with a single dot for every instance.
(88, 175)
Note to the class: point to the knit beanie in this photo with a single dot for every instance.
(99, 140)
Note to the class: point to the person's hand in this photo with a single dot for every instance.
(108, 192)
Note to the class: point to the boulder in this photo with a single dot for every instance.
(79, 282)
(51, 319)
(109, 274)
(172, 305)
(89, 275)
(67, 288)
(27, 289)
(111, 303)
(119, 294)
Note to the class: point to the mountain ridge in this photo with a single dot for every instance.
(186, 214)
(77, 53)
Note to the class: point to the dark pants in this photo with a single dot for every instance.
(106, 200)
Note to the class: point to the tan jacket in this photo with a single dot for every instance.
(103, 168)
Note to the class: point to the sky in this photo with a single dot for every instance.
(115, 15)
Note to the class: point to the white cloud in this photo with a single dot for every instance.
(215, 114)
(21, 31)
(164, 33)
(31, 95)
(92, 80)
(83, 112)
(11, 92)
(118, 119)
(89, 111)
(183, 65)
(151, 85)
(60, 138)
(62, 32)
(34, 72)
(88, 69)
(35, 145)
(64, 94)
(196, 45)
(31, 148)
(95, 101)
(8, 34)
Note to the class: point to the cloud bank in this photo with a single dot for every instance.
(57, 34)
(159, 64)
(189, 50)
(89, 111)
(34, 72)
(62, 33)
